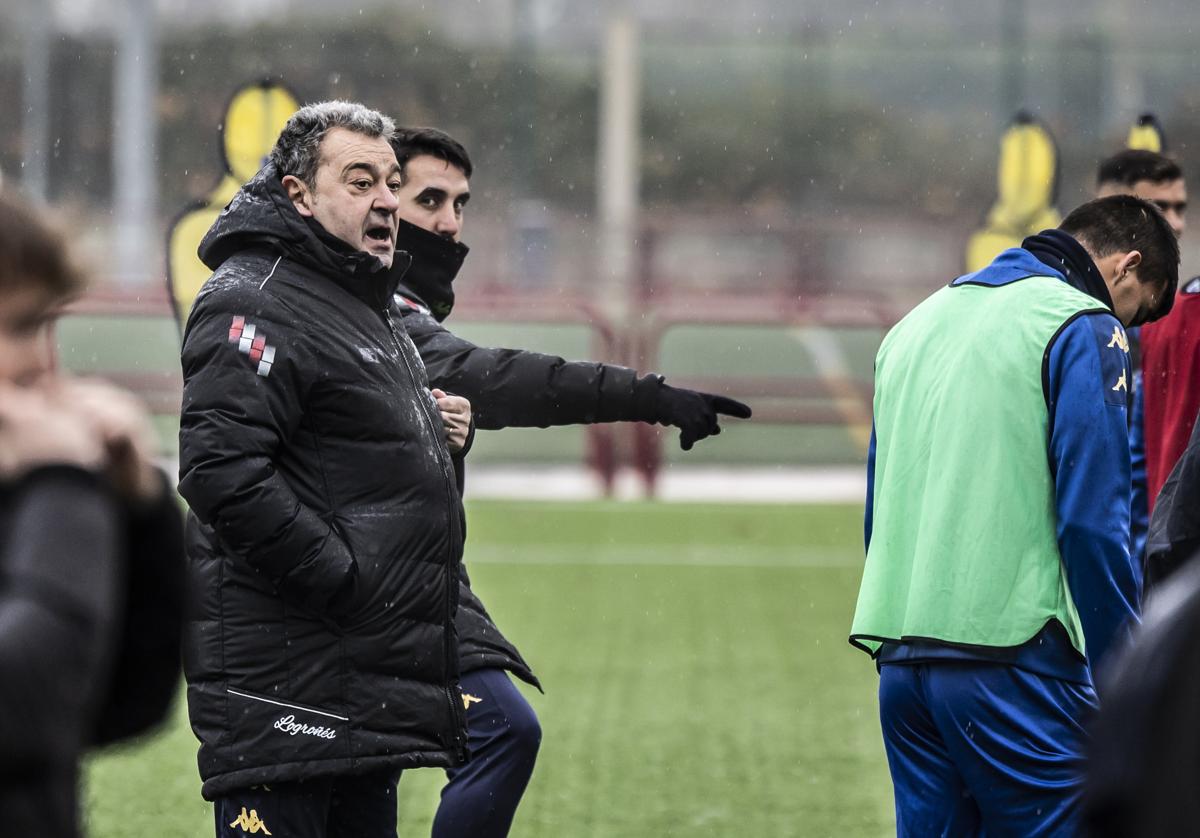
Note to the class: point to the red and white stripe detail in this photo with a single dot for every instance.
(413, 304)
(253, 343)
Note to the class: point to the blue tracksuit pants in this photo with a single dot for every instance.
(503, 735)
(981, 748)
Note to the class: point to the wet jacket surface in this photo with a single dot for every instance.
(326, 538)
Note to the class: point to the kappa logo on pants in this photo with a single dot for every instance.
(251, 822)
(252, 342)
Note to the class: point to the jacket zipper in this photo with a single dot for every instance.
(456, 707)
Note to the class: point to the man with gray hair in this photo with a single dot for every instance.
(326, 527)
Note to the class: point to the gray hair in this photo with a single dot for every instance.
(297, 151)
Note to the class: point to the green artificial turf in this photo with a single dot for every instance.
(698, 679)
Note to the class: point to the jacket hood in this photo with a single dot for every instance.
(262, 214)
(1050, 253)
(436, 261)
(1062, 252)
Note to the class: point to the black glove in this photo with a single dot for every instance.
(694, 413)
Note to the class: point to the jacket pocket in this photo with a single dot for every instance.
(272, 730)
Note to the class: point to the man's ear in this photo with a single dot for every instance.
(297, 191)
(1128, 263)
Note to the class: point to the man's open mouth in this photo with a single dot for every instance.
(381, 234)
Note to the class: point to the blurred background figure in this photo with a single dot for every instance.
(90, 549)
(1026, 189)
(1149, 175)
(254, 118)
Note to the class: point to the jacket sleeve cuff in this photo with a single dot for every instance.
(645, 397)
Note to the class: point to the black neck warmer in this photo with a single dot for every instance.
(1057, 250)
(436, 260)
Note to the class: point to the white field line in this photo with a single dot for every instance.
(676, 484)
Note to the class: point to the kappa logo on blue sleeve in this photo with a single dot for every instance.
(1119, 340)
(1114, 365)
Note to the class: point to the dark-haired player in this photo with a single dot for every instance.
(998, 576)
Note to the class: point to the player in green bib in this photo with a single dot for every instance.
(998, 571)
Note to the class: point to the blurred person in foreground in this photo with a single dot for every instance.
(998, 575)
(1166, 354)
(320, 656)
(1144, 757)
(91, 550)
(506, 388)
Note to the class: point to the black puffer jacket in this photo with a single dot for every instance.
(506, 388)
(327, 534)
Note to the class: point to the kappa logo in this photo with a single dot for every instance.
(1121, 385)
(250, 341)
(1119, 340)
(469, 699)
(251, 823)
